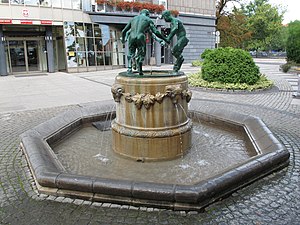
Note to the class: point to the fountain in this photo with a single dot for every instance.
(148, 126)
(179, 166)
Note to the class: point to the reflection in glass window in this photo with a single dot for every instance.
(89, 30)
(107, 56)
(81, 59)
(97, 30)
(46, 3)
(69, 36)
(100, 59)
(31, 2)
(80, 44)
(71, 59)
(67, 4)
(69, 28)
(91, 59)
(99, 45)
(20, 2)
(90, 44)
(76, 4)
(105, 34)
(56, 3)
(79, 31)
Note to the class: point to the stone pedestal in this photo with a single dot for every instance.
(151, 117)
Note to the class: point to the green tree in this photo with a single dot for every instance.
(293, 42)
(220, 8)
(279, 42)
(265, 22)
(234, 30)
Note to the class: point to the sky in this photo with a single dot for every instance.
(292, 9)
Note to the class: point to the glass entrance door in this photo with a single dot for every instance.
(32, 55)
(26, 56)
(17, 56)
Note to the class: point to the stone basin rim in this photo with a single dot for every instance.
(52, 179)
(152, 74)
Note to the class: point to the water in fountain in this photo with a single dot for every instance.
(103, 126)
(180, 136)
(214, 148)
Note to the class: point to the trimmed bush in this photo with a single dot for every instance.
(286, 67)
(197, 63)
(229, 65)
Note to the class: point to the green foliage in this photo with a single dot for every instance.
(234, 30)
(229, 65)
(197, 63)
(265, 22)
(279, 41)
(286, 67)
(206, 51)
(196, 80)
(293, 42)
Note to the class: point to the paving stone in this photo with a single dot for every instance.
(274, 199)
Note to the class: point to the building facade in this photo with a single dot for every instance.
(84, 35)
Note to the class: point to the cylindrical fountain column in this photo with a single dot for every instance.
(151, 116)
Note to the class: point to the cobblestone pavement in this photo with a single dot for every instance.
(274, 199)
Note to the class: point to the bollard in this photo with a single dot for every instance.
(297, 94)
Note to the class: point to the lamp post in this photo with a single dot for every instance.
(217, 38)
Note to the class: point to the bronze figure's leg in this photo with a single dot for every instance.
(130, 56)
(141, 53)
(177, 53)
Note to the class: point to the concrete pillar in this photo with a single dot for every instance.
(158, 50)
(3, 65)
(50, 50)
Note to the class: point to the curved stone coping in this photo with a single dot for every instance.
(153, 73)
(150, 132)
(53, 179)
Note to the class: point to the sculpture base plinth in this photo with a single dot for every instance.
(151, 145)
(151, 116)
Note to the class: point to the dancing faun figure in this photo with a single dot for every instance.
(136, 31)
(177, 29)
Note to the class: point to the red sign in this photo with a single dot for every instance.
(25, 12)
(46, 22)
(26, 22)
(5, 21)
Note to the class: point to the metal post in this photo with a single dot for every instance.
(126, 53)
(158, 50)
(50, 51)
(3, 65)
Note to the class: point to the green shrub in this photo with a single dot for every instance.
(196, 80)
(286, 67)
(206, 51)
(229, 65)
(197, 63)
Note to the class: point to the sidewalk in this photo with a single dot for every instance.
(59, 89)
(274, 199)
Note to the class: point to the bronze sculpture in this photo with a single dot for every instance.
(136, 31)
(177, 29)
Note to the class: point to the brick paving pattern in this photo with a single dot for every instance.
(274, 199)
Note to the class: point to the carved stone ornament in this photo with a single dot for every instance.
(175, 92)
(117, 91)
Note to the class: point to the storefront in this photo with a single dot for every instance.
(32, 47)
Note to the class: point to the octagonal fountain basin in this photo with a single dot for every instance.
(68, 156)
